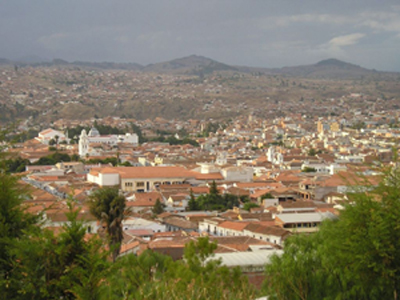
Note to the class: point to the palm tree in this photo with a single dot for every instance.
(108, 206)
(56, 138)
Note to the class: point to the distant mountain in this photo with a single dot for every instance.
(32, 59)
(4, 61)
(109, 65)
(194, 64)
(199, 65)
(330, 69)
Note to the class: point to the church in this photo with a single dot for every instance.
(94, 137)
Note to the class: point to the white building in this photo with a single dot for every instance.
(242, 174)
(138, 179)
(49, 134)
(94, 137)
(139, 223)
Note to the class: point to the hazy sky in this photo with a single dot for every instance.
(260, 33)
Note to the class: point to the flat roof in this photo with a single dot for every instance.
(304, 217)
(241, 259)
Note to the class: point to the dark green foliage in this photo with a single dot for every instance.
(74, 157)
(75, 132)
(249, 205)
(136, 129)
(16, 165)
(53, 158)
(214, 201)
(158, 207)
(108, 160)
(14, 222)
(192, 204)
(22, 137)
(308, 170)
(108, 206)
(60, 267)
(174, 141)
(358, 125)
(212, 127)
(155, 276)
(312, 152)
(267, 196)
(354, 257)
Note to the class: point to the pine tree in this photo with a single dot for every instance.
(158, 207)
(193, 205)
(15, 223)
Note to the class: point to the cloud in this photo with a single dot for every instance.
(345, 40)
(337, 46)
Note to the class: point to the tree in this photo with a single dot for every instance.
(354, 257)
(63, 266)
(312, 152)
(14, 224)
(249, 205)
(267, 196)
(108, 206)
(156, 277)
(56, 138)
(158, 207)
(309, 170)
(214, 189)
(193, 205)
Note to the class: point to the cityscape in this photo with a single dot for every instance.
(194, 178)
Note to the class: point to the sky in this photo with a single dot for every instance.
(258, 33)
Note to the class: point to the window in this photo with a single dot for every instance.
(140, 184)
(128, 184)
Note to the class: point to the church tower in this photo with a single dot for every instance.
(83, 144)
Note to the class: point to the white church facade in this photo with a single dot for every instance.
(94, 137)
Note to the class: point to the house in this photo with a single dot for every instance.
(58, 218)
(231, 228)
(49, 134)
(273, 234)
(143, 201)
(303, 222)
(132, 223)
(139, 179)
(176, 223)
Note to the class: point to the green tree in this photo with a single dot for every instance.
(108, 206)
(312, 152)
(309, 170)
(197, 276)
(356, 256)
(64, 266)
(192, 204)
(267, 196)
(158, 207)
(249, 205)
(16, 165)
(214, 189)
(15, 223)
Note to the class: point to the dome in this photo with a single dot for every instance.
(94, 132)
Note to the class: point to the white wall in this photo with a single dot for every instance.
(242, 174)
(108, 179)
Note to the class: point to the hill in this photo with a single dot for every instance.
(329, 69)
(191, 65)
(326, 69)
